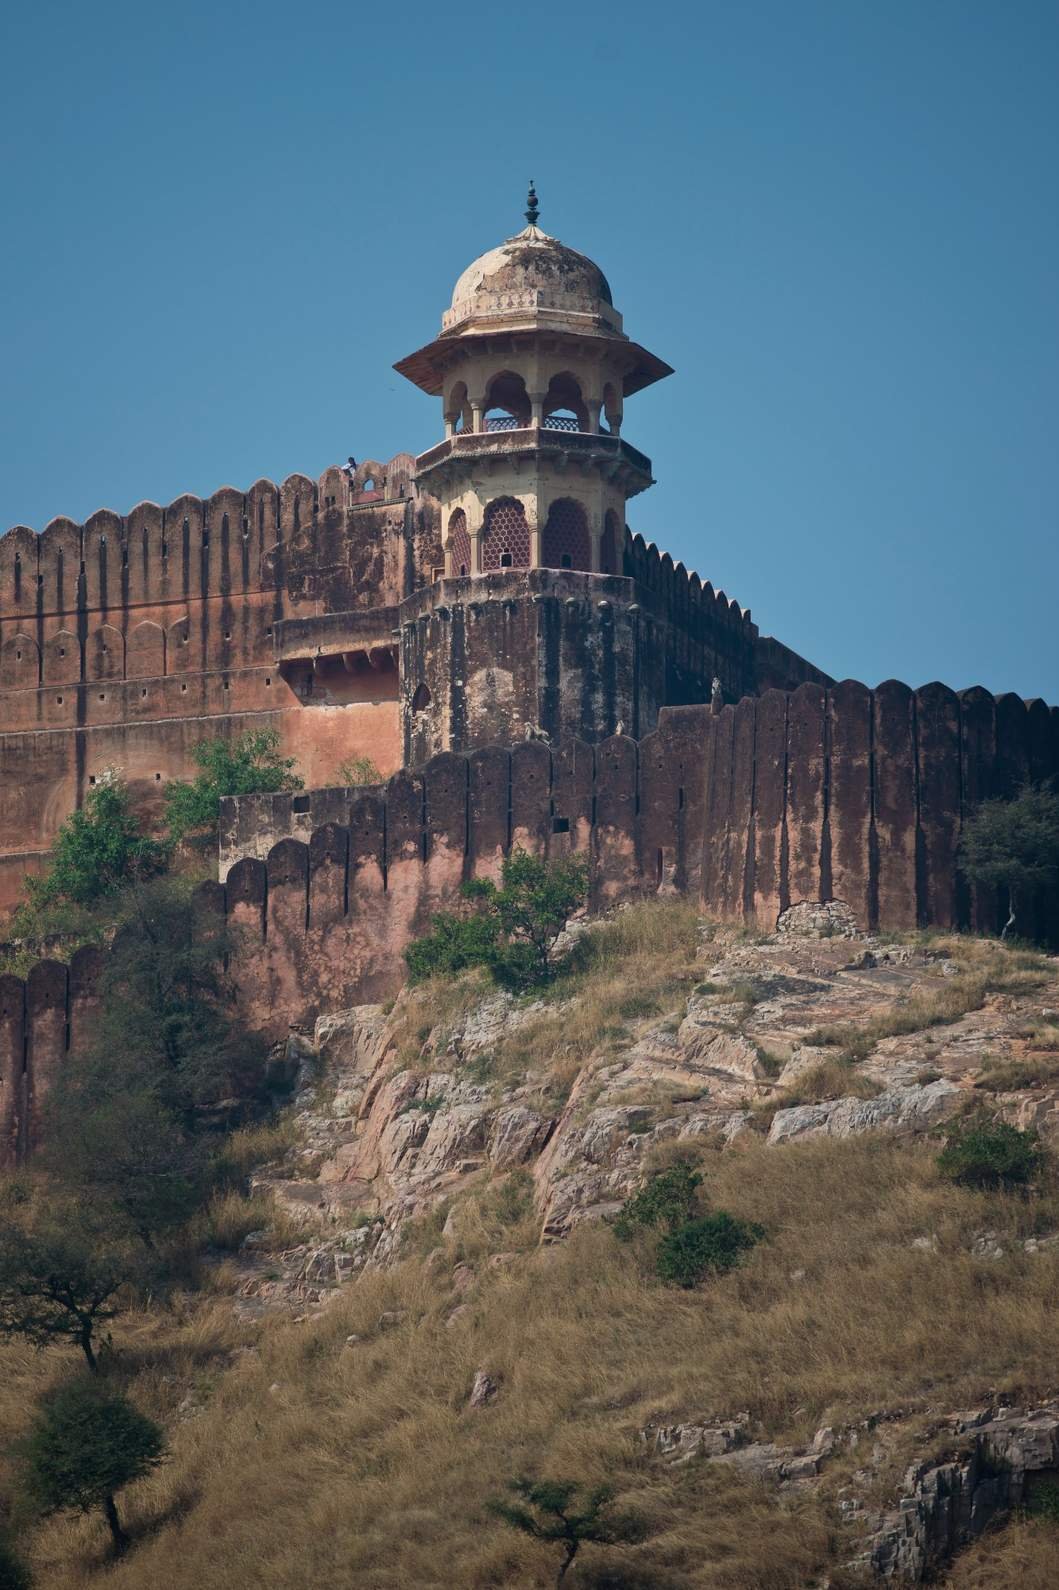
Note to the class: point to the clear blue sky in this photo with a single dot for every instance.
(838, 221)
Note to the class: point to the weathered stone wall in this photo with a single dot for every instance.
(846, 794)
(126, 640)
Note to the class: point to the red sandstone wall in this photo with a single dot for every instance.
(845, 793)
(121, 637)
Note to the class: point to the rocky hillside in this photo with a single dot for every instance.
(425, 1296)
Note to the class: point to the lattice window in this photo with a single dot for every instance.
(610, 550)
(459, 544)
(565, 543)
(505, 535)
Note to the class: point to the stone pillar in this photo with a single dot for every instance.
(593, 405)
(476, 549)
(595, 543)
(537, 409)
(476, 417)
(450, 426)
(534, 539)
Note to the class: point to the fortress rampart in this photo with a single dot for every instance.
(840, 793)
(126, 640)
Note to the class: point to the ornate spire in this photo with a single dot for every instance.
(532, 208)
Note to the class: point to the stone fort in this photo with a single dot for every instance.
(481, 622)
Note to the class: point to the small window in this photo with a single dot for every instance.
(505, 560)
(183, 689)
(165, 549)
(300, 803)
(62, 651)
(143, 692)
(268, 681)
(59, 701)
(369, 484)
(158, 778)
(421, 699)
(560, 825)
(102, 697)
(227, 634)
(566, 561)
(18, 656)
(91, 778)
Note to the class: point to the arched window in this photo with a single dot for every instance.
(421, 699)
(564, 544)
(611, 550)
(459, 544)
(507, 406)
(505, 535)
(564, 409)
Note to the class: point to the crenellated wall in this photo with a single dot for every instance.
(842, 793)
(118, 637)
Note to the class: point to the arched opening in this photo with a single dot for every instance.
(421, 698)
(565, 543)
(564, 408)
(507, 405)
(505, 535)
(458, 409)
(611, 408)
(459, 544)
(611, 548)
(367, 484)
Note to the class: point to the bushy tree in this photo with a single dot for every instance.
(59, 1278)
(669, 1198)
(1014, 845)
(548, 1510)
(97, 851)
(88, 1442)
(711, 1245)
(511, 929)
(130, 1128)
(990, 1154)
(248, 765)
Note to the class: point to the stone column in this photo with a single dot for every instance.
(595, 542)
(476, 550)
(593, 405)
(537, 409)
(476, 417)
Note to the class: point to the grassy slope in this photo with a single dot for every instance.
(308, 1460)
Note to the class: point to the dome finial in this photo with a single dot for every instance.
(532, 208)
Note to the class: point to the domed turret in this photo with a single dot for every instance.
(532, 367)
(531, 271)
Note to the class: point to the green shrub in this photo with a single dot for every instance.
(548, 1510)
(668, 1199)
(981, 1154)
(511, 930)
(248, 765)
(1044, 1501)
(703, 1247)
(358, 770)
(97, 851)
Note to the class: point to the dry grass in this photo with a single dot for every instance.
(831, 1079)
(1023, 1553)
(313, 1461)
(1029, 1071)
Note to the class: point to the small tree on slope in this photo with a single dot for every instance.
(547, 1510)
(87, 1443)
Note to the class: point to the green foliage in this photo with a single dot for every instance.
(87, 1443)
(548, 1510)
(1014, 845)
(14, 1575)
(59, 1278)
(97, 851)
(703, 1247)
(128, 1129)
(512, 929)
(1043, 1502)
(453, 944)
(984, 1154)
(358, 770)
(248, 765)
(668, 1199)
